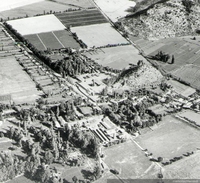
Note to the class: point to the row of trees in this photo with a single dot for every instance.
(72, 65)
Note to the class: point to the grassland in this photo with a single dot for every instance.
(15, 81)
(129, 160)
(10, 4)
(81, 18)
(53, 40)
(116, 57)
(191, 115)
(115, 9)
(77, 3)
(186, 52)
(170, 139)
(187, 168)
(30, 10)
(98, 35)
(35, 25)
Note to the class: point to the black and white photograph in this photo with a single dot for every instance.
(99, 91)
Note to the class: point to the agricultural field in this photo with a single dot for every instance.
(115, 9)
(180, 88)
(15, 81)
(191, 115)
(77, 3)
(53, 40)
(129, 160)
(170, 138)
(35, 25)
(30, 10)
(99, 35)
(81, 18)
(10, 4)
(21, 179)
(190, 74)
(187, 168)
(186, 53)
(118, 57)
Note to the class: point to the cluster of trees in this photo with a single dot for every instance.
(125, 113)
(128, 72)
(188, 5)
(164, 57)
(11, 166)
(31, 166)
(84, 140)
(15, 134)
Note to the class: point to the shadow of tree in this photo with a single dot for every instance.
(87, 174)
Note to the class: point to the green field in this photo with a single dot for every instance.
(36, 25)
(34, 9)
(129, 160)
(116, 57)
(99, 35)
(15, 81)
(170, 139)
(186, 52)
(53, 40)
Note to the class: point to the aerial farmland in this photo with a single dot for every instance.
(97, 91)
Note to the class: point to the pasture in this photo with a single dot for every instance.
(129, 160)
(116, 57)
(21, 179)
(191, 115)
(53, 40)
(81, 18)
(15, 81)
(170, 139)
(180, 88)
(187, 168)
(115, 9)
(30, 10)
(77, 3)
(35, 25)
(10, 4)
(186, 53)
(99, 35)
(190, 74)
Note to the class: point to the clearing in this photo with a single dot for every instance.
(99, 35)
(129, 160)
(10, 4)
(115, 9)
(35, 25)
(186, 53)
(77, 3)
(170, 139)
(30, 10)
(116, 57)
(15, 81)
(191, 115)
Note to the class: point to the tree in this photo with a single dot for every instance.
(48, 157)
(97, 171)
(75, 179)
(172, 59)
(188, 4)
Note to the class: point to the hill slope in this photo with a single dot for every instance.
(167, 19)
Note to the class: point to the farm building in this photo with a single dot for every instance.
(157, 110)
(86, 111)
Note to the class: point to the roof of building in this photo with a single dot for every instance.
(158, 109)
